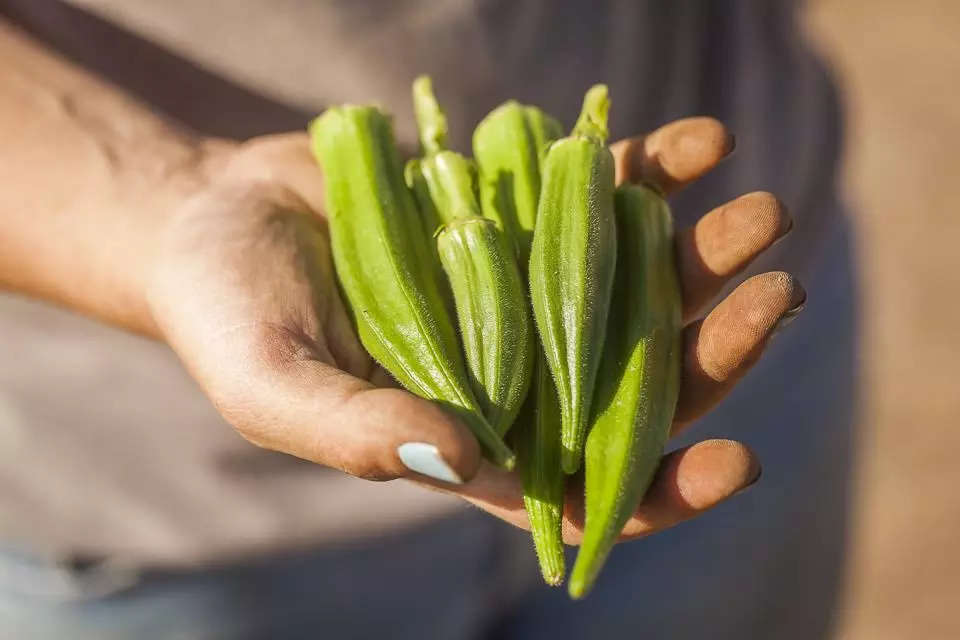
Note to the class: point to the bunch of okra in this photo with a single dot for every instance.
(563, 288)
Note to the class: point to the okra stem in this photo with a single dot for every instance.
(431, 120)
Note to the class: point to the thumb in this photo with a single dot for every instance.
(315, 411)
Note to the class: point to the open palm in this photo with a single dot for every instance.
(246, 294)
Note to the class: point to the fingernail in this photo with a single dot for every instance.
(785, 233)
(790, 314)
(425, 458)
(753, 482)
(731, 144)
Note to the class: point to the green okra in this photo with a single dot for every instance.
(495, 323)
(639, 378)
(488, 291)
(382, 262)
(509, 145)
(572, 264)
(443, 182)
(537, 443)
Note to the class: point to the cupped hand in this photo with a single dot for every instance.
(244, 291)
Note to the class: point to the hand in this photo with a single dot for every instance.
(244, 291)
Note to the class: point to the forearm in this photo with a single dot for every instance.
(88, 176)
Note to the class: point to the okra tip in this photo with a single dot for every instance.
(585, 570)
(553, 579)
(578, 587)
(506, 460)
(570, 459)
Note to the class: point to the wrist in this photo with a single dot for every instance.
(179, 177)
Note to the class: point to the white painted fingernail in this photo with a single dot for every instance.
(425, 458)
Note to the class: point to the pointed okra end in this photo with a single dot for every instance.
(578, 586)
(553, 577)
(553, 566)
(503, 457)
(430, 117)
(570, 459)
(586, 568)
(590, 559)
(592, 122)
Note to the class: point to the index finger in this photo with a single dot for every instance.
(674, 155)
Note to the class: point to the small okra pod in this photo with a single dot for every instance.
(382, 263)
(639, 378)
(536, 439)
(572, 263)
(488, 291)
(509, 145)
(495, 323)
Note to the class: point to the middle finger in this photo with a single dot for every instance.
(723, 242)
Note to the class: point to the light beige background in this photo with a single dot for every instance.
(899, 64)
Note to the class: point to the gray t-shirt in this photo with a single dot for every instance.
(107, 447)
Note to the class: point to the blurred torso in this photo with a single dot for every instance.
(112, 450)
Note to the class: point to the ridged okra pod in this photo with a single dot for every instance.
(382, 262)
(509, 145)
(488, 291)
(495, 323)
(537, 443)
(572, 263)
(639, 378)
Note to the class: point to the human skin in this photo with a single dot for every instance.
(221, 250)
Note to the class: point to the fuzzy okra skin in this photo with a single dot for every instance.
(509, 145)
(382, 262)
(639, 378)
(495, 323)
(572, 264)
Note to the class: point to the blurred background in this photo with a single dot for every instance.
(898, 65)
(898, 68)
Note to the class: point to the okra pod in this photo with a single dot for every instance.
(509, 145)
(537, 443)
(382, 262)
(572, 264)
(639, 378)
(488, 291)
(495, 323)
